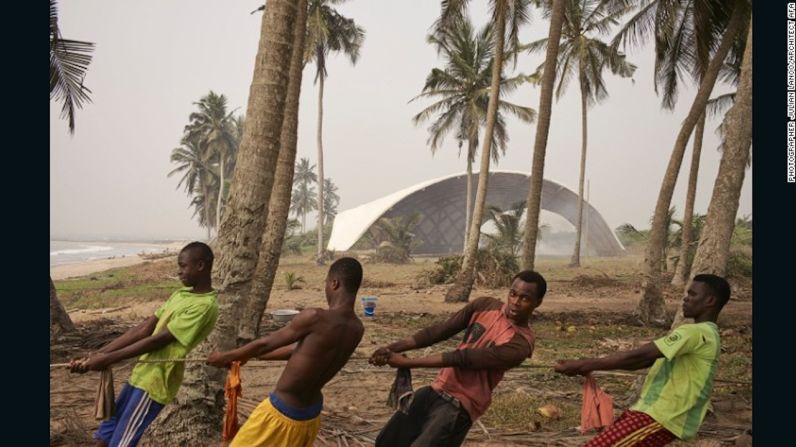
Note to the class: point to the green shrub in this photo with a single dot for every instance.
(292, 280)
(739, 264)
(494, 269)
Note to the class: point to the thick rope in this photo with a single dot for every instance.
(522, 366)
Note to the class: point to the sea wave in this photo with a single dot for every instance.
(89, 249)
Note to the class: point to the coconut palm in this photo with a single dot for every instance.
(508, 235)
(584, 54)
(198, 179)
(533, 207)
(714, 245)
(196, 417)
(303, 199)
(461, 93)
(686, 253)
(651, 305)
(69, 60)
(685, 32)
(328, 32)
(215, 127)
(278, 225)
(304, 172)
(507, 17)
(330, 200)
(395, 238)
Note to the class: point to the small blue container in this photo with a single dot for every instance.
(369, 305)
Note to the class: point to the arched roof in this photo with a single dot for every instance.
(441, 202)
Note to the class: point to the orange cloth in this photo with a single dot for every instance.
(598, 407)
(232, 390)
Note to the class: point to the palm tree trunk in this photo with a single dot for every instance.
(575, 261)
(651, 305)
(534, 201)
(681, 271)
(319, 260)
(275, 226)
(460, 291)
(220, 189)
(59, 319)
(714, 244)
(206, 206)
(468, 211)
(195, 418)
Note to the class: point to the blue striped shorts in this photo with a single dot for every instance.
(135, 410)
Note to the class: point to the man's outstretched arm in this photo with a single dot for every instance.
(432, 334)
(101, 360)
(639, 358)
(282, 353)
(299, 326)
(505, 356)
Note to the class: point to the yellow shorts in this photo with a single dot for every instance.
(266, 426)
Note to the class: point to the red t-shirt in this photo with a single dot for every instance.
(492, 344)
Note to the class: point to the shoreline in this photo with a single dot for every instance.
(66, 271)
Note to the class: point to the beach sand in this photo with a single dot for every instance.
(97, 265)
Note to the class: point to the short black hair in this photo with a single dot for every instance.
(719, 287)
(349, 272)
(202, 250)
(532, 277)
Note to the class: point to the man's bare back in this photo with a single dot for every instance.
(331, 337)
(317, 343)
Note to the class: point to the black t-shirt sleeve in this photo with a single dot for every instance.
(505, 356)
(456, 323)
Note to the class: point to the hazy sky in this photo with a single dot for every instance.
(154, 59)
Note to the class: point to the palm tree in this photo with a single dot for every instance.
(685, 32)
(195, 418)
(304, 173)
(461, 89)
(714, 244)
(198, 179)
(583, 53)
(303, 199)
(672, 236)
(651, 306)
(508, 235)
(216, 128)
(278, 224)
(507, 16)
(328, 32)
(69, 60)
(685, 253)
(534, 201)
(330, 200)
(395, 238)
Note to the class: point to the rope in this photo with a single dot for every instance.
(195, 360)
(522, 366)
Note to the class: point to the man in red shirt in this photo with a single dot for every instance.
(497, 338)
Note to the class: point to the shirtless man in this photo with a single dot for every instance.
(316, 344)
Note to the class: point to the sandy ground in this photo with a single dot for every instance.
(84, 268)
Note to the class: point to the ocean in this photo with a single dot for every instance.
(75, 252)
